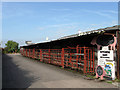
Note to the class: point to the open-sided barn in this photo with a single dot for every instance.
(78, 51)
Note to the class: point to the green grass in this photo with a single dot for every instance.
(72, 70)
(90, 76)
(109, 82)
(117, 80)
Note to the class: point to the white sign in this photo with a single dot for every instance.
(106, 60)
(110, 69)
(104, 55)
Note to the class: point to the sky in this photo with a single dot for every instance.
(34, 21)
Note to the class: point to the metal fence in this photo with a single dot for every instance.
(81, 58)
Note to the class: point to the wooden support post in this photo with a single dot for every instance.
(118, 54)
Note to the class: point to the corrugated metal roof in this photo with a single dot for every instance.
(91, 32)
(83, 33)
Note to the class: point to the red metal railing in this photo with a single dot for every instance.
(81, 58)
(56, 57)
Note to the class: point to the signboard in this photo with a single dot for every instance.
(104, 55)
(106, 61)
(110, 69)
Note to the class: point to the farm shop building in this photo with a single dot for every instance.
(82, 51)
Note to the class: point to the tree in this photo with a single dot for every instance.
(11, 46)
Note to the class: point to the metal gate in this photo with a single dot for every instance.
(81, 58)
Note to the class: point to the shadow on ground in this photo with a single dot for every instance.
(13, 76)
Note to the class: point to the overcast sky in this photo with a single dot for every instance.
(35, 21)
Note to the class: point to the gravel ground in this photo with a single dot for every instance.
(23, 72)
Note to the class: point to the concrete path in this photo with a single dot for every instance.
(23, 72)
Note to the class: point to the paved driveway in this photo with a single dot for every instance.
(23, 72)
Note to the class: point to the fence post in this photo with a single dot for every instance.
(93, 59)
(33, 53)
(23, 51)
(29, 52)
(62, 55)
(49, 55)
(77, 55)
(26, 52)
(84, 60)
(40, 55)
